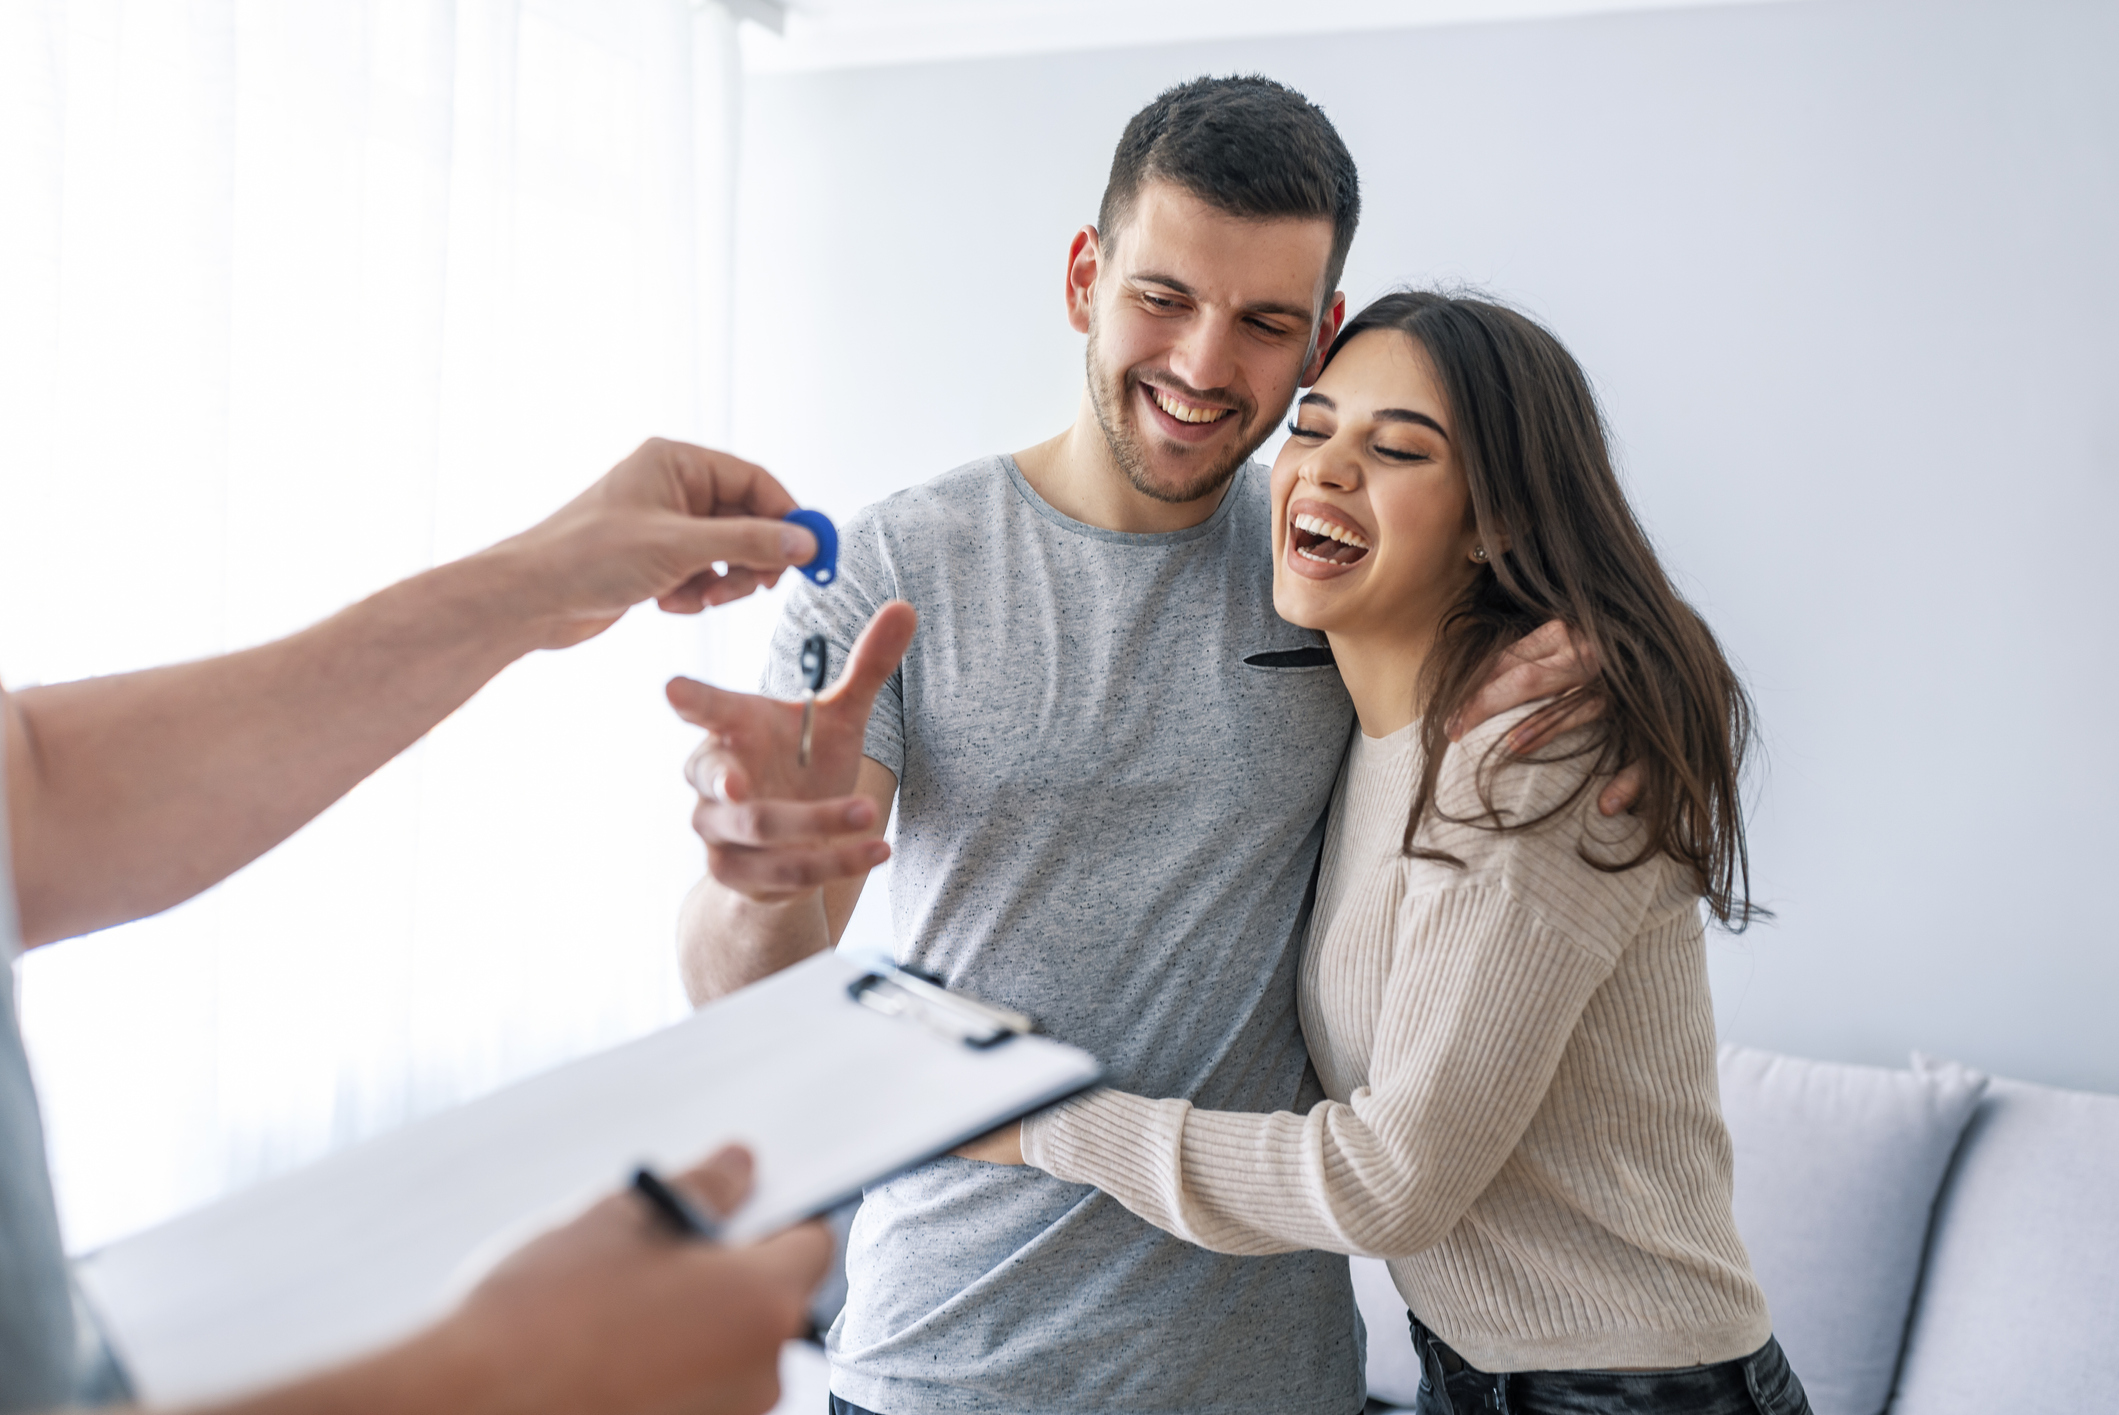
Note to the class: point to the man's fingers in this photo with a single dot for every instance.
(773, 822)
(876, 655)
(1542, 664)
(723, 1180)
(727, 589)
(1534, 734)
(1546, 641)
(792, 869)
(719, 483)
(1524, 683)
(715, 709)
(1623, 791)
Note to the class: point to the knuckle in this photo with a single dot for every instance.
(734, 868)
(795, 871)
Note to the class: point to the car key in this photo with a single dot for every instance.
(816, 657)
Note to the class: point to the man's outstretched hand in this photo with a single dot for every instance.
(1544, 664)
(678, 524)
(774, 829)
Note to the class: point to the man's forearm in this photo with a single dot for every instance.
(132, 793)
(726, 941)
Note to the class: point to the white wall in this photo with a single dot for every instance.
(1844, 274)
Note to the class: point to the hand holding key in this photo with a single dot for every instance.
(775, 828)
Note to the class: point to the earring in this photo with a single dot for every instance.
(1479, 554)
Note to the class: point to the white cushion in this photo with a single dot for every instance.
(1837, 1172)
(1394, 1371)
(2020, 1306)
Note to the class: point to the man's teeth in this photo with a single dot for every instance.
(1330, 530)
(1184, 412)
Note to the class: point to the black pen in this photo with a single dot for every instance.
(673, 1208)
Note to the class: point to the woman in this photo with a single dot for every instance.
(1504, 993)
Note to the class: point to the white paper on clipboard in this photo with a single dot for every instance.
(833, 1074)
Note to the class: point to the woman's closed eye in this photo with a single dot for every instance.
(1407, 455)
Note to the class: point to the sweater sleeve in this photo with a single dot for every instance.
(1491, 967)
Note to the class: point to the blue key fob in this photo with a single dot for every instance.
(825, 568)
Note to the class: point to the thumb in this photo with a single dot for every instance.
(749, 541)
(724, 1179)
(876, 654)
(795, 1259)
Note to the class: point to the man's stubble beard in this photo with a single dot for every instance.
(1132, 458)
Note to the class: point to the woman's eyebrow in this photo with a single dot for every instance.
(1407, 415)
(1381, 415)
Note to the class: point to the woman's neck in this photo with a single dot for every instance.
(1381, 670)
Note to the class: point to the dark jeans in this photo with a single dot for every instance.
(1758, 1384)
(847, 1407)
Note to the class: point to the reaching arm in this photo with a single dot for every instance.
(1489, 970)
(129, 794)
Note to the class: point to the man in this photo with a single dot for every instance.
(129, 794)
(1111, 762)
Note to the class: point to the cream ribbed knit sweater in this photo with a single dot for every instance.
(1523, 1111)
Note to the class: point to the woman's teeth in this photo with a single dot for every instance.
(1185, 412)
(1327, 542)
(1318, 526)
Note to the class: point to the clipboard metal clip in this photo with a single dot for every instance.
(900, 992)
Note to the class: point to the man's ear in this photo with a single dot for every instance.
(1327, 330)
(1084, 260)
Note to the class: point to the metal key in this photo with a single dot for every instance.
(816, 658)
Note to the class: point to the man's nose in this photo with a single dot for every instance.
(1206, 356)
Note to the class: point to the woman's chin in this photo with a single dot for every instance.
(1299, 602)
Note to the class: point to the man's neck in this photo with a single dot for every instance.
(1078, 477)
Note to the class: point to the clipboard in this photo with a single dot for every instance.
(836, 1074)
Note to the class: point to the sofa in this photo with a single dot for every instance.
(1932, 1241)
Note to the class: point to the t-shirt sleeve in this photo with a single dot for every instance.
(1495, 964)
(867, 578)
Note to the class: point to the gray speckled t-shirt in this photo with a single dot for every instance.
(36, 1303)
(1107, 818)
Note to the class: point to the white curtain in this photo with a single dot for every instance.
(295, 299)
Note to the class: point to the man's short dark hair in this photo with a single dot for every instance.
(1246, 145)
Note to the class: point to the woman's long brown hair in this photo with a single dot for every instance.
(1563, 544)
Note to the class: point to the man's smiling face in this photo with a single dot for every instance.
(1201, 326)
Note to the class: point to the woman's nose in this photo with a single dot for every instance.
(1325, 467)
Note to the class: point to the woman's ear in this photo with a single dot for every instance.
(1488, 547)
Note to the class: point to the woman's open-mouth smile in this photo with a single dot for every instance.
(1322, 544)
